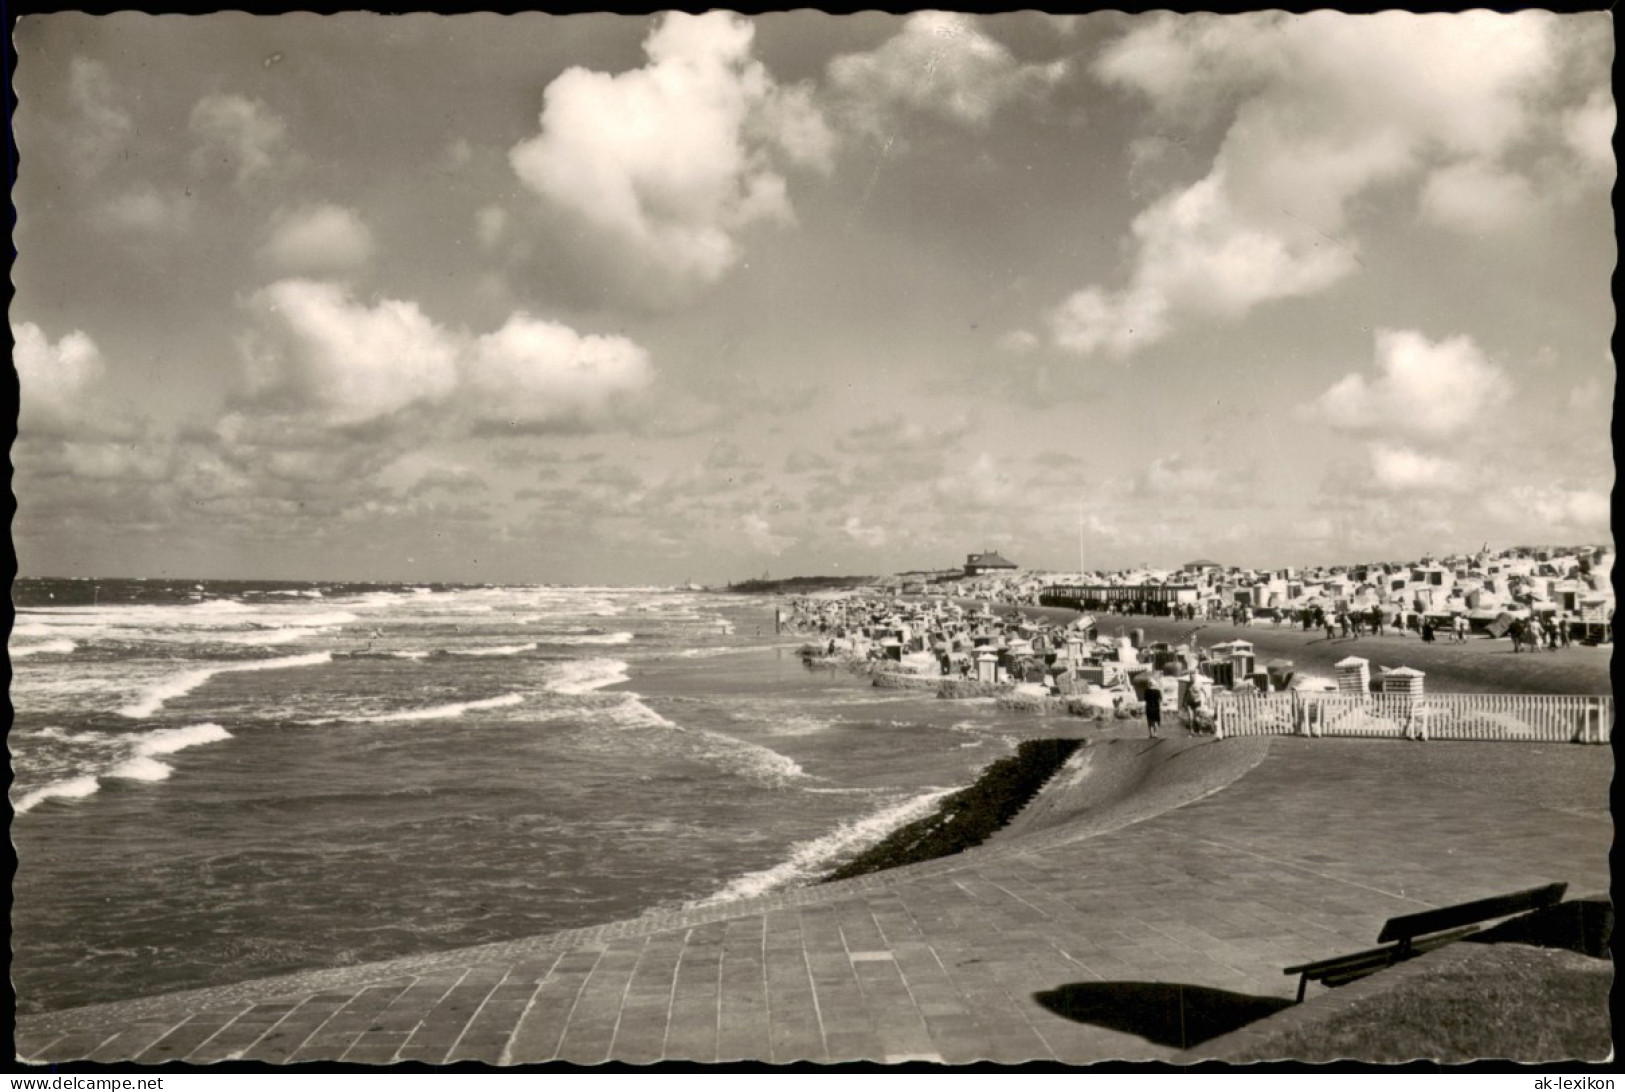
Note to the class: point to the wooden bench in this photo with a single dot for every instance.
(1413, 934)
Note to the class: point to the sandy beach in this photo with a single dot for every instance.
(1479, 665)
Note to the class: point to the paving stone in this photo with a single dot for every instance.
(375, 1047)
(432, 1040)
(129, 1042)
(77, 1045)
(290, 1033)
(30, 1045)
(181, 1040)
(541, 1028)
(243, 1032)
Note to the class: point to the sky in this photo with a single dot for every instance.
(628, 299)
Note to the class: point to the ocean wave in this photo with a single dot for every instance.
(61, 646)
(632, 713)
(808, 859)
(73, 788)
(144, 764)
(188, 681)
(585, 676)
(140, 764)
(433, 712)
(751, 760)
(725, 650)
(588, 638)
(495, 650)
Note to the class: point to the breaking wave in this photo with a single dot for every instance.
(188, 681)
(585, 676)
(810, 858)
(142, 764)
(437, 712)
(60, 647)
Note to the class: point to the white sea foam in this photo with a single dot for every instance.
(495, 650)
(61, 646)
(632, 713)
(188, 681)
(809, 858)
(590, 639)
(436, 712)
(330, 618)
(72, 788)
(144, 764)
(585, 676)
(752, 760)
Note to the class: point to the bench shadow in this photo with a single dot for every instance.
(1167, 1013)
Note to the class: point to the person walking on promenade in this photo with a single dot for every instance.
(1564, 636)
(1331, 627)
(1153, 710)
(1536, 633)
(1461, 629)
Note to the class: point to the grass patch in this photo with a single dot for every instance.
(970, 816)
(1500, 1001)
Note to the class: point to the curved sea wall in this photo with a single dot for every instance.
(1110, 783)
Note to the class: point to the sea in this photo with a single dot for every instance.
(219, 781)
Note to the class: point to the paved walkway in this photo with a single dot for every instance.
(1025, 950)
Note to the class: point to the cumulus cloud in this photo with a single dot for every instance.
(1589, 131)
(1400, 469)
(939, 63)
(1176, 476)
(52, 378)
(352, 361)
(318, 239)
(675, 159)
(1325, 108)
(1476, 196)
(316, 347)
(1426, 389)
(242, 134)
(759, 533)
(536, 373)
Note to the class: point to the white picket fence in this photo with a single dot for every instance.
(1548, 718)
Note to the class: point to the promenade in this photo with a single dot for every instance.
(1132, 931)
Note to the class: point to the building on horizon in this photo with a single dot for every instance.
(988, 562)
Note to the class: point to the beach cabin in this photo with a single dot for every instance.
(1353, 675)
